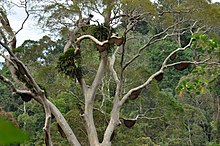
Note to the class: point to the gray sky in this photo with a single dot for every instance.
(30, 30)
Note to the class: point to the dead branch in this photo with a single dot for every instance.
(26, 18)
(151, 41)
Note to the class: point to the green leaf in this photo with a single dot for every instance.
(9, 134)
(198, 92)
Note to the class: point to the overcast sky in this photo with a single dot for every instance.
(30, 30)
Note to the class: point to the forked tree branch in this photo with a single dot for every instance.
(151, 41)
(126, 96)
(114, 121)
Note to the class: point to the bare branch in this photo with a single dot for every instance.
(100, 72)
(180, 49)
(46, 128)
(26, 18)
(40, 96)
(111, 66)
(142, 116)
(80, 23)
(151, 41)
(18, 91)
(178, 12)
(193, 62)
(103, 95)
(78, 40)
(157, 73)
(114, 121)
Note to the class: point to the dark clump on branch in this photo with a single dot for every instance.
(42, 87)
(25, 96)
(101, 32)
(112, 41)
(173, 56)
(79, 106)
(129, 123)
(112, 136)
(20, 76)
(159, 77)
(181, 66)
(116, 40)
(61, 131)
(24, 79)
(20, 66)
(70, 64)
(135, 94)
(103, 47)
(46, 139)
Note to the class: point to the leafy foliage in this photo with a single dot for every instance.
(10, 134)
(70, 64)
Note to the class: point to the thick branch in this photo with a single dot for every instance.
(82, 22)
(125, 97)
(83, 85)
(111, 65)
(72, 36)
(7, 27)
(78, 40)
(100, 72)
(3, 36)
(64, 125)
(114, 121)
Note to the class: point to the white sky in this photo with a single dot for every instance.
(30, 30)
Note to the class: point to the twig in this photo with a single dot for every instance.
(26, 18)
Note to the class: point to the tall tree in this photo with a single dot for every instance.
(111, 51)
